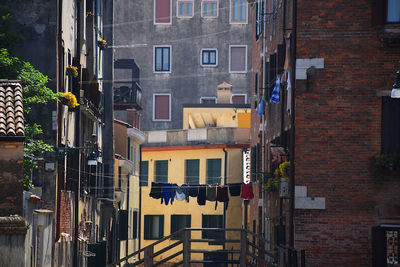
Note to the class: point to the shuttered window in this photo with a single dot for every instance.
(212, 221)
(213, 171)
(135, 225)
(162, 11)
(390, 125)
(239, 99)
(238, 59)
(123, 224)
(192, 171)
(153, 227)
(144, 173)
(258, 19)
(162, 107)
(161, 171)
(180, 222)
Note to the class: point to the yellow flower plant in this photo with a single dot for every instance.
(70, 100)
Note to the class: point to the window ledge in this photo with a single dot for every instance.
(389, 35)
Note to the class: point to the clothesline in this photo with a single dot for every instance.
(168, 192)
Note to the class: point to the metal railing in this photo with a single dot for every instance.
(244, 253)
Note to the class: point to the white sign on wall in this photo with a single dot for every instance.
(246, 166)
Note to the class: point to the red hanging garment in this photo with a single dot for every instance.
(247, 191)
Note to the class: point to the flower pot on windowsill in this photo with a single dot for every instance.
(69, 100)
(386, 165)
(102, 44)
(71, 71)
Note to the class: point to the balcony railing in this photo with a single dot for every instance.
(128, 96)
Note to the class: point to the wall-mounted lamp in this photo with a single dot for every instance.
(396, 87)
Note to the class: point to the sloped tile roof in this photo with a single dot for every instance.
(11, 109)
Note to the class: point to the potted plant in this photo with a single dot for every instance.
(72, 71)
(102, 44)
(69, 100)
(387, 162)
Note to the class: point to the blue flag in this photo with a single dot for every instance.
(261, 107)
(275, 92)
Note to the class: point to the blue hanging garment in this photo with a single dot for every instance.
(275, 92)
(261, 107)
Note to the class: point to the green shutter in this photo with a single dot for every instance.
(161, 171)
(123, 224)
(173, 224)
(144, 173)
(147, 227)
(135, 224)
(192, 171)
(213, 171)
(161, 226)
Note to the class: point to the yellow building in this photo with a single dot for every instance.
(196, 156)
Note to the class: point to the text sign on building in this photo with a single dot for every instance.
(246, 166)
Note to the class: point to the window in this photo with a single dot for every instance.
(192, 171)
(209, 9)
(162, 107)
(161, 171)
(390, 125)
(144, 173)
(237, 59)
(179, 222)
(162, 59)
(238, 11)
(135, 225)
(213, 171)
(239, 98)
(209, 57)
(162, 11)
(129, 148)
(153, 227)
(258, 18)
(208, 100)
(184, 9)
(212, 221)
(393, 11)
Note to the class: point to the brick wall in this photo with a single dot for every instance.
(66, 213)
(11, 178)
(338, 129)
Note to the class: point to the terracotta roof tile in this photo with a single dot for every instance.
(11, 109)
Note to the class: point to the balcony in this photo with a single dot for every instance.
(128, 96)
(90, 95)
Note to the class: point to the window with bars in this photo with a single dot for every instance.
(213, 171)
(192, 171)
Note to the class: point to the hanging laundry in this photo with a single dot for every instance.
(289, 94)
(222, 196)
(211, 194)
(180, 194)
(155, 191)
(166, 193)
(261, 107)
(185, 189)
(201, 196)
(234, 189)
(275, 92)
(193, 190)
(247, 191)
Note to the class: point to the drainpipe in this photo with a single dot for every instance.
(225, 180)
(292, 132)
(139, 236)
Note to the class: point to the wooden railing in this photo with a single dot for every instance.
(259, 252)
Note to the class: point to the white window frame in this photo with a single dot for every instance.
(184, 16)
(231, 13)
(208, 97)
(210, 16)
(154, 107)
(209, 65)
(245, 97)
(235, 71)
(154, 14)
(154, 58)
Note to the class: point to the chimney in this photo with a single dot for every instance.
(224, 93)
